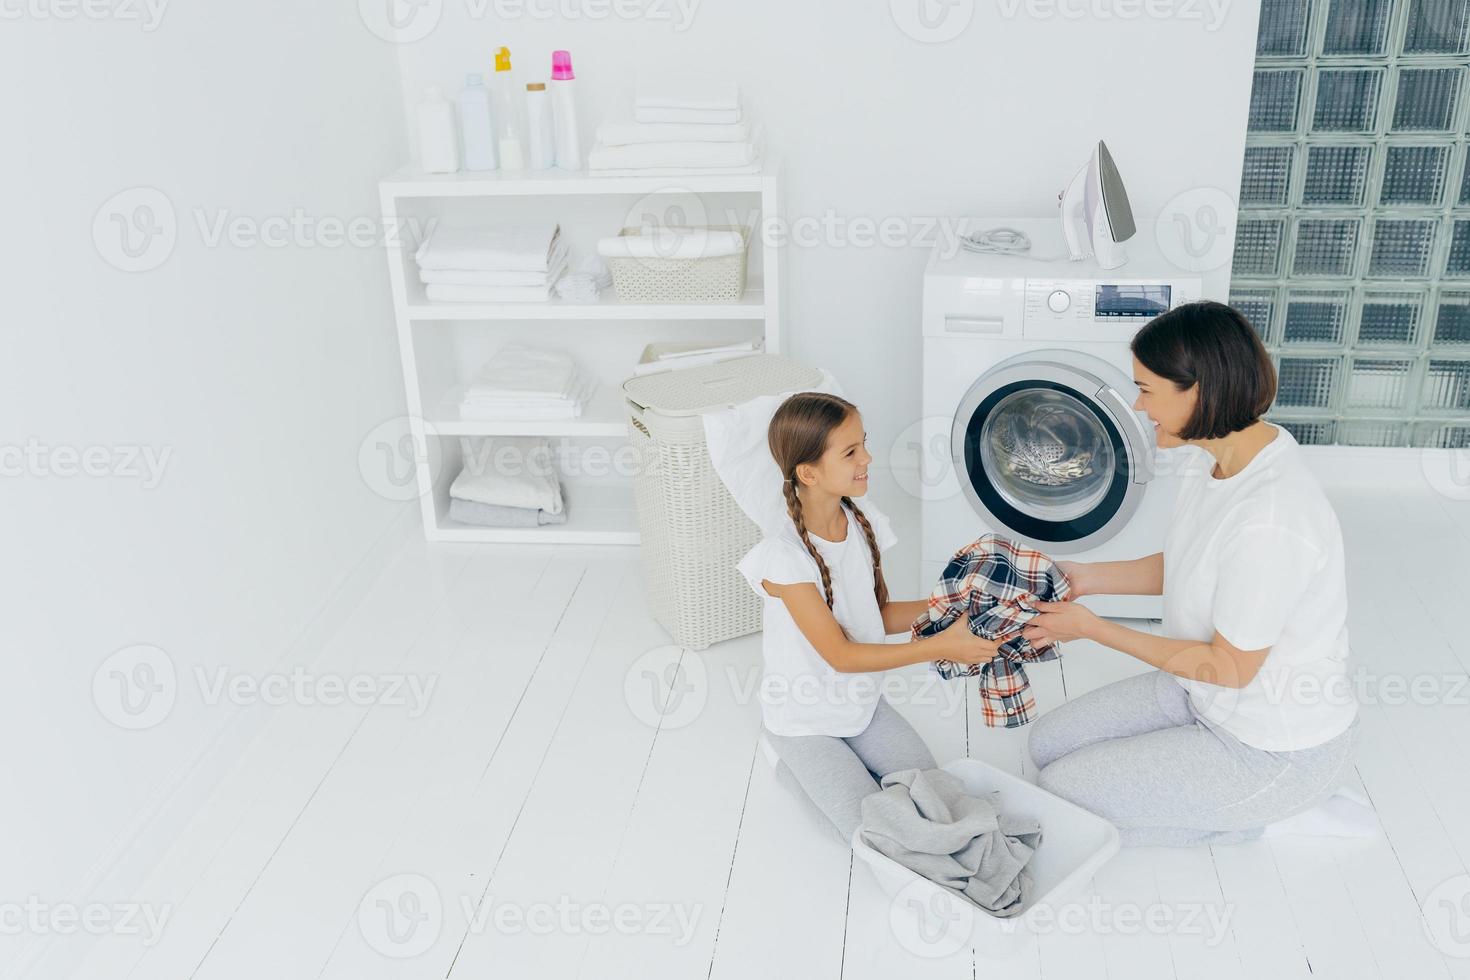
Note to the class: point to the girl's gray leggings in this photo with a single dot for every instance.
(838, 772)
(1136, 753)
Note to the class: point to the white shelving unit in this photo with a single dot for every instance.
(444, 344)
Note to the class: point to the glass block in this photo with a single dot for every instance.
(1414, 175)
(1401, 247)
(1452, 320)
(1274, 97)
(1256, 305)
(1436, 27)
(1324, 247)
(1336, 175)
(1442, 435)
(1315, 316)
(1356, 27)
(1371, 432)
(1309, 432)
(1258, 247)
(1378, 382)
(1282, 31)
(1389, 319)
(1446, 386)
(1307, 382)
(1457, 263)
(1347, 100)
(1426, 99)
(1266, 175)
(1465, 180)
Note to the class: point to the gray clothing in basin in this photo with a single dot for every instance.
(924, 820)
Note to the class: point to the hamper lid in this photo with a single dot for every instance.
(690, 391)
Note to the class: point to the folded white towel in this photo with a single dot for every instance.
(501, 277)
(448, 292)
(754, 167)
(672, 242)
(522, 371)
(633, 156)
(478, 408)
(697, 350)
(675, 90)
(624, 133)
(509, 471)
(671, 362)
(698, 117)
(523, 247)
(584, 283)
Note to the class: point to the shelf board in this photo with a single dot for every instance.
(597, 513)
(410, 182)
(752, 306)
(603, 415)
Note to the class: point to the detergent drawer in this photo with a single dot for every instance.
(982, 307)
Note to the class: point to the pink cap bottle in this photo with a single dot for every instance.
(564, 111)
(561, 65)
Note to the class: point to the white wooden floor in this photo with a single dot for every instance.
(540, 785)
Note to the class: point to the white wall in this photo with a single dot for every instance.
(258, 369)
(872, 123)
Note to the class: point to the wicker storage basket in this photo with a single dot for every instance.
(719, 279)
(691, 531)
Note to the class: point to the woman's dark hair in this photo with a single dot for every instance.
(1214, 346)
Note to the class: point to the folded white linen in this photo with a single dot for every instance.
(684, 90)
(509, 471)
(523, 247)
(692, 154)
(448, 292)
(695, 351)
(625, 133)
(698, 117)
(492, 277)
(585, 282)
(693, 360)
(522, 371)
(673, 242)
(476, 403)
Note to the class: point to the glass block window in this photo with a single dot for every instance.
(1352, 248)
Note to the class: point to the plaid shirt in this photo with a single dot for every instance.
(995, 581)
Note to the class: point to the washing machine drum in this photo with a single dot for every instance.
(1047, 449)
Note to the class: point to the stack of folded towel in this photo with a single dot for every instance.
(508, 481)
(586, 282)
(679, 124)
(512, 263)
(522, 382)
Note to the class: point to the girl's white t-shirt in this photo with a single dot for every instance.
(1258, 557)
(802, 694)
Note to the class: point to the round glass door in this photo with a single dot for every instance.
(1047, 454)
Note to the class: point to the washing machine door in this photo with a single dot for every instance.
(1048, 450)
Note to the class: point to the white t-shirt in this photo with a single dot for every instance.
(802, 694)
(1258, 557)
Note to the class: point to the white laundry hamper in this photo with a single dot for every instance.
(692, 532)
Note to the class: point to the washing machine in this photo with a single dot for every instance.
(1028, 428)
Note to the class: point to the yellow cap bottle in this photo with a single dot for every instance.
(502, 59)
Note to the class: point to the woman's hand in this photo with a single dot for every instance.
(956, 642)
(1060, 621)
(1078, 576)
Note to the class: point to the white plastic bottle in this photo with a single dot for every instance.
(507, 111)
(564, 110)
(438, 141)
(476, 131)
(540, 135)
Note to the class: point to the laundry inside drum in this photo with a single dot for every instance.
(1047, 454)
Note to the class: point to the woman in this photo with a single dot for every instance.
(1249, 717)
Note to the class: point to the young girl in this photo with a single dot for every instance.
(827, 612)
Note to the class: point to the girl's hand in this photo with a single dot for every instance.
(956, 642)
(1060, 621)
(1078, 576)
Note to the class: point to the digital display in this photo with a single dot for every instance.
(1131, 301)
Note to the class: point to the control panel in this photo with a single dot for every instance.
(1087, 308)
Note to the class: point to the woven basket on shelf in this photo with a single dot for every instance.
(692, 533)
(717, 279)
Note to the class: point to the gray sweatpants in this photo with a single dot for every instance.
(1136, 753)
(838, 772)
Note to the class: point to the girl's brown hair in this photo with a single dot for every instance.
(798, 434)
